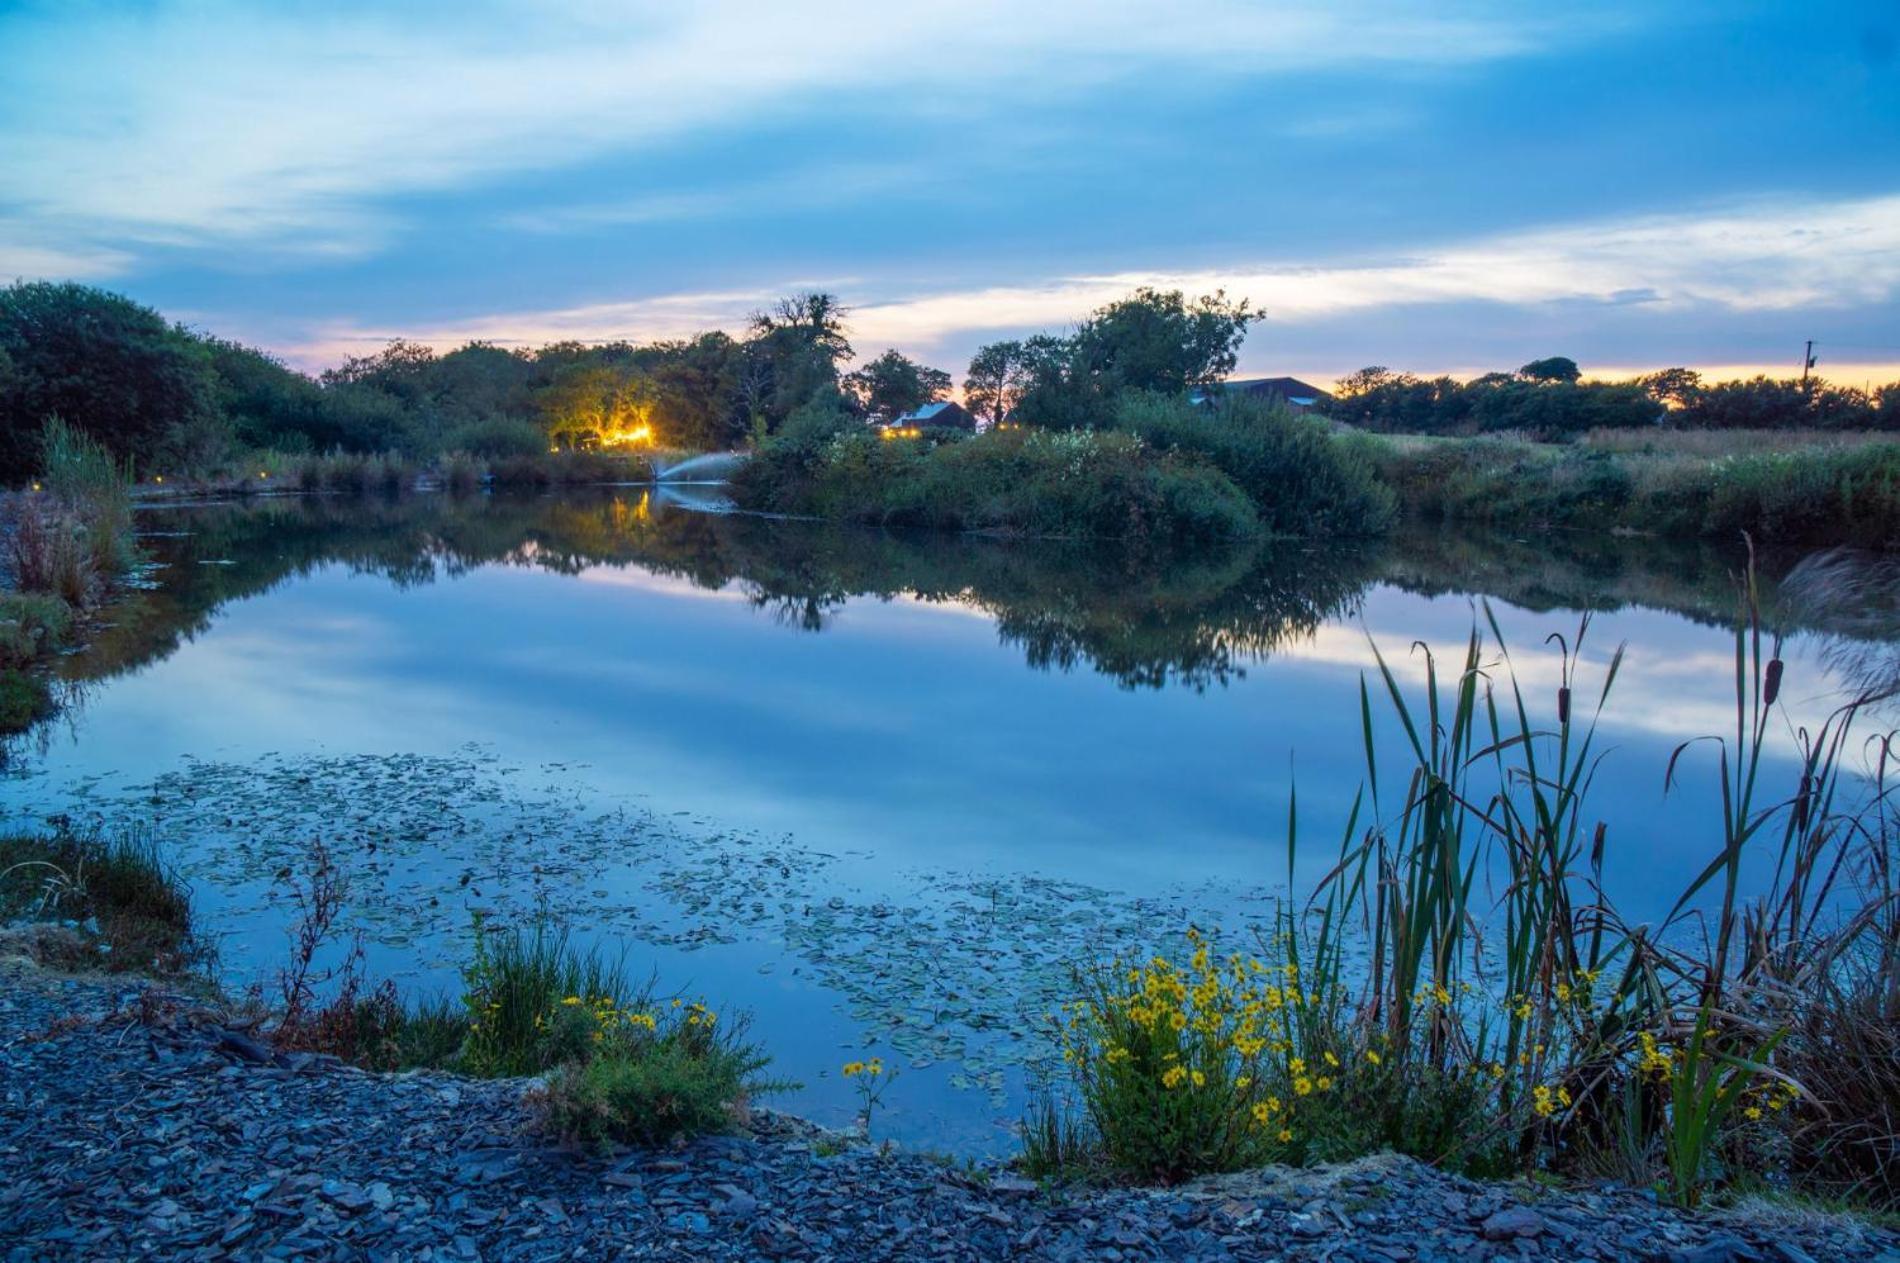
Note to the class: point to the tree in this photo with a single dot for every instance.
(801, 340)
(894, 384)
(997, 377)
(1157, 340)
(1672, 387)
(698, 381)
(1362, 381)
(109, 366)
(1558, 368)
(600, 404)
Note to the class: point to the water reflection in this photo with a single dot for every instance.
(1147, 620)
(806, 770)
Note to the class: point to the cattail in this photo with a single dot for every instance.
(1563, 704)
(1772, 689)
(1801, 803)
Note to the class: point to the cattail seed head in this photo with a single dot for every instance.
(1563, 704)
(1771, 687)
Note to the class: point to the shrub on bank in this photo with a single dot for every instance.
(1079, 484)
(622, 1064)
(1301, 479)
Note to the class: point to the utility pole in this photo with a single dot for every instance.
(1807, 362)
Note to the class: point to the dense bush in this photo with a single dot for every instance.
(1092, 484)
(657, 1075)
(108, 364)
(1548, 408)
(1302, 480)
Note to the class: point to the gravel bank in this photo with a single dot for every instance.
(124, 1136)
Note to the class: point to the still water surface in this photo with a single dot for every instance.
(878, 791)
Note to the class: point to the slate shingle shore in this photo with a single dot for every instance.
(128, 1136)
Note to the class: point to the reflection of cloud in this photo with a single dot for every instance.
(1772, 256)
(282, 123)
(1678, 684)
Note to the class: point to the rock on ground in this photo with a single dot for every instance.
(130, 1131)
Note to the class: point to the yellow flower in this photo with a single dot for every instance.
(1200, 1080)
(1332, 1060)
(1261, 1113)
(572, 1002)
(1373, 1057)
(1286, 1135)
(1303, 1086)
(1325, 1084)
(1753, 1113)
(852, 1069)
(1296, 1066)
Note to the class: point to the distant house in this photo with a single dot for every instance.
(1295, 394)
(936, 416)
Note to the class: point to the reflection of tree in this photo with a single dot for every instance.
(1147, 620)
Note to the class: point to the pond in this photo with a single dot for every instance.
(879, 791)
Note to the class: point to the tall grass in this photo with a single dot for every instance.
(1536, 1027)
(1841, 494)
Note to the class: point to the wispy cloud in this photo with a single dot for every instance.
(1777, 255)
(292, 127)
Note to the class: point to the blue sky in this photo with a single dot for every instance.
(1438, 187)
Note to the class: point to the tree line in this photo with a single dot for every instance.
(167, 397)
(1548, 398)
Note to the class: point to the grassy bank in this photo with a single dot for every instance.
(1694, 485)
(1163, 472)
(622, 1062)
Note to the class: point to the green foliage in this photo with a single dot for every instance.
(893, 384)
(685, 1077)
(533, 1001)
(1101, 485)
(102, 361)
(1410, 1007)
(1150, 341)
(1301, 479)
(1548, 403)
(139, 905)
(1558, 368)
(1813, 495)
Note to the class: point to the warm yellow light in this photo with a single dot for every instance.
(632, 436)
(36, 486)
(553, 450)
(159, 478)
(262, 474)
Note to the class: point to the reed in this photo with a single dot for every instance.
(1536, 1028)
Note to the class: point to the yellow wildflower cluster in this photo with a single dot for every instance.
(872, 1068)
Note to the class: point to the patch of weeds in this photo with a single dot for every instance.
(132, 908)
(682, 1076)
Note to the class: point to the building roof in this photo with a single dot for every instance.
(943, 412)
(1289, 388)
